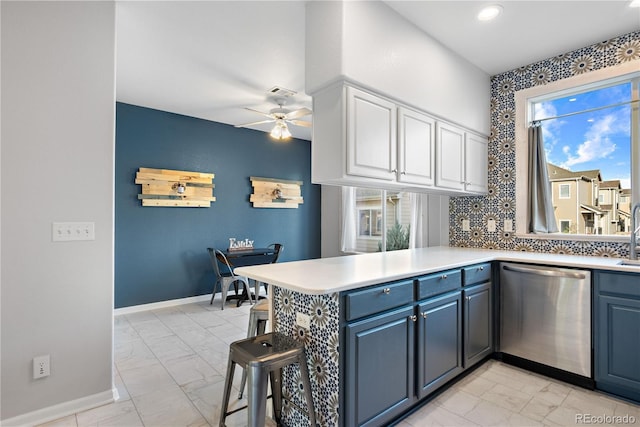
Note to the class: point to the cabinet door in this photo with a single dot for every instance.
(379, 368)
(475, 164)
(449, 156)
(416, 147)
(371, 136)
(478, 331)
(439, 342)
(617, 366)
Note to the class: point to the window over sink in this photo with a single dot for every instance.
(591, 127)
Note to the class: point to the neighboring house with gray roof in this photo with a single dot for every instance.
(584, 204)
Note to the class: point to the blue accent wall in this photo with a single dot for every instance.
(160, 252)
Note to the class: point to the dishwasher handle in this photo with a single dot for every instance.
(548, 273)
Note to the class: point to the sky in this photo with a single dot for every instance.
(590, 140)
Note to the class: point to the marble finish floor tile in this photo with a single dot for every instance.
(170, 366)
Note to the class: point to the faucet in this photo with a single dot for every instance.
(633, 250)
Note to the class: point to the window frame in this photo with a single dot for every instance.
(567, 221)
(372, 211)
(576, 84)
(560, 187)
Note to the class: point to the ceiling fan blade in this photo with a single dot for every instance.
(254, 123)
(297, 113)
(259, 112)
(300, 123)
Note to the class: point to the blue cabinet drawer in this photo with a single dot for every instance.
(379, 298)
(438, 283)
(618, 283)
(476, 274)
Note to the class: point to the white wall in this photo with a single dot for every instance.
(371, 44)
(57, 143)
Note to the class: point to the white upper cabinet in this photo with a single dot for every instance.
(416, 147)
(371, 136)
(475, 163)
(450, 160)
(461, 159)
(365, 140)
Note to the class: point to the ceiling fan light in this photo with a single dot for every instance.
(280, 130)
(285, 132)
(276, 132)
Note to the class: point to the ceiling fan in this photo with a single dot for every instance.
(281, 117)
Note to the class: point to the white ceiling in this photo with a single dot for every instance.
(210, 59)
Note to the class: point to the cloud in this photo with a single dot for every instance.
(597, 144)
(544, 110)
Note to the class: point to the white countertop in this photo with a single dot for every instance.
(329, 275)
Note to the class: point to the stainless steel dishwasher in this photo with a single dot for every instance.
(546, 316)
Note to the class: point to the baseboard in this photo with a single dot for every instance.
(161, 304)
(60, 410)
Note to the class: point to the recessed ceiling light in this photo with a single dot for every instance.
(491, 12)
(635, 3)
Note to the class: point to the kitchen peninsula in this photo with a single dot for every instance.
(369, 311)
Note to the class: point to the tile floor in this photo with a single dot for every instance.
(170, 366)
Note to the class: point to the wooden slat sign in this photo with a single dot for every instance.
(275, 193)
(171, 188)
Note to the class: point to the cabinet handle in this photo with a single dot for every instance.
(394, 171)
(481, 268)
(424, 314)
(443, 277)
(413, 317)
(386, 291)
(403, 173)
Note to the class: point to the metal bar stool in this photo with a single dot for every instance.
(258, 317)
(263, 357)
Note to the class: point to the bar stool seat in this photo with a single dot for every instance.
(258, 317)
(263, 357)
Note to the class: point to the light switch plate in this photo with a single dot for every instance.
(491, 225)
(72, 231)
(465, 225)
(508, 225)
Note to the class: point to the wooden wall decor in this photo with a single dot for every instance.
(275, 193)
(171, 188)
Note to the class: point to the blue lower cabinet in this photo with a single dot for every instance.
(439, 342)
(478, 323)
(380, 368)
(403, 340)
(617, 334)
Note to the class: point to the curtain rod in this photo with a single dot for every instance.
(635, 101)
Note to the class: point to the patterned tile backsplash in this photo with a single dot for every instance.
(500, 201)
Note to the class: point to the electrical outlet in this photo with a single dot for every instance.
(465, 225)
(491, 225)
(303, 320)
(508, 225)
(41, 366)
